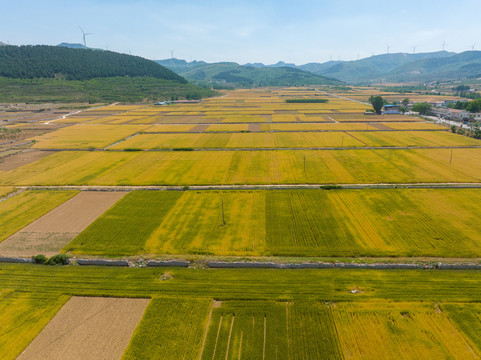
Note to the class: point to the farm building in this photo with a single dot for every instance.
(391, 109)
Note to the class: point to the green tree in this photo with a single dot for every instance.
(474, 106)
(403, 109)
(377, 103)
(422, 107)
(405, 102)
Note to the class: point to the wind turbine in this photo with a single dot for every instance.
(472, 47)
(171, 54)
(388, 48)
(84, 35)
(414, 49)
(444, 44)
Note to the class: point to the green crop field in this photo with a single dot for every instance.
(255, 313)
(20, 210)
(172, 328)
(249, 167)
(376, 222)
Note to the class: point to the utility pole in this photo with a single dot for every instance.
(304, 163)
(223, 218)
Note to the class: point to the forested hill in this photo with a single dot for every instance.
(41, 61)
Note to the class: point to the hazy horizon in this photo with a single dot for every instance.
(248, 32)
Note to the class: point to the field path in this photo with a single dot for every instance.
(88, 328)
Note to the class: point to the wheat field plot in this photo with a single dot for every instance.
(172, 328)
(23, 315)
(399, 331)
(250, 167)
(85, 136)
(88, 327)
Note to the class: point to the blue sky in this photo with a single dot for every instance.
(266, 31)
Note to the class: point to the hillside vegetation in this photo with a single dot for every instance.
(30, 62)
(59, 74)
(233, 74)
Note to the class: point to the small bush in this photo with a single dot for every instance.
(183, 149)
(59, 259)
(39, 259)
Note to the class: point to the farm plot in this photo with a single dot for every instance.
(90, 328)
(422, 125)
(399, 330)
(172, 222)
(414, 138)
(50, 233)
(86, 136)
(270, 330)
(249, 167)
(125, 228)
(172, 328)
(390, 222)
(467, 318)
(373, 223)
(23, 315)
(20, 210)
(211, 222)
(241, 140)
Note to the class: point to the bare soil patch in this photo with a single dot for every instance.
(254, 127)
(199, 128)
(88, 328)
(380, 126)
(15, 161)
(51, 232)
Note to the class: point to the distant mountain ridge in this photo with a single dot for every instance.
(245, 75)
(397, 67)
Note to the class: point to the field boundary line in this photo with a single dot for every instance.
(312, 148)
(326, 186)
(206, 330)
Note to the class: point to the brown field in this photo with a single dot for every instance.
(88, 328)
(20, 159)
(50, 233)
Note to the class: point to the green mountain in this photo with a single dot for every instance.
(40, 61)
(455, 67)
(61, 74)
(376, 67)
(231, 73)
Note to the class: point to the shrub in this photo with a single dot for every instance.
(59, 259)
(39, 259)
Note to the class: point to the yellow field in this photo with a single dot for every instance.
(249, 167)
(316, 126)
(23, 316)
(414, 138)
(5, 190)
(228, 127)
(414, 126)
(241, 140)
(85, 136)
(196, 225)
(399, 331)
